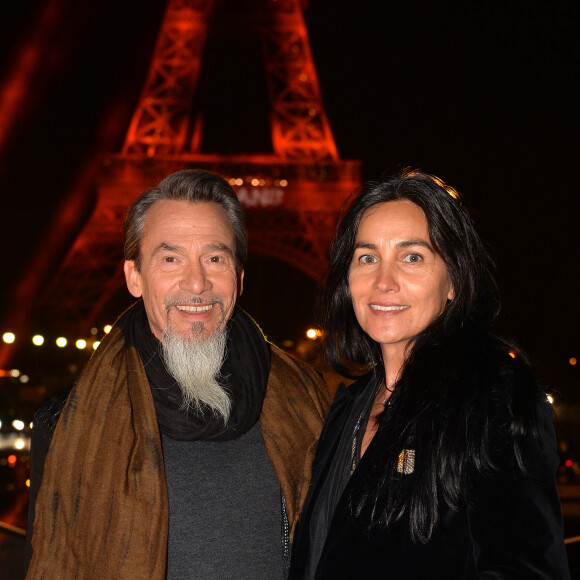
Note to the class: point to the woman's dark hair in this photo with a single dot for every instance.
(445, 402)
(476, 298)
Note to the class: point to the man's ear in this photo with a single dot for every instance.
(133, 278)
(240, 282)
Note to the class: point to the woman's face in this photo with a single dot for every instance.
(398, 283)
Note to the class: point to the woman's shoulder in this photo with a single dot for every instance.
(497, 365)
(507, 387)
(345, 398)
(347, 394)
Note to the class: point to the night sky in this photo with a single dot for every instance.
(482, 94)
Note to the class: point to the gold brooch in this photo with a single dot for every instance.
(406, 462)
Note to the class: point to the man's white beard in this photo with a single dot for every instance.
(195, 362)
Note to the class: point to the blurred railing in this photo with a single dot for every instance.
(12, 530)
(16, 531)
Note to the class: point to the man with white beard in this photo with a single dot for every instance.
(184, 449)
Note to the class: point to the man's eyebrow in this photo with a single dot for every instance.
(165, 247)
(219, 247)
(212, 247)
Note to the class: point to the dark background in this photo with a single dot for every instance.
(482, 94)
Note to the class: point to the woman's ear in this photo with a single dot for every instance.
(451, 294)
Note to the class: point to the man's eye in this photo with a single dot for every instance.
(216, 259)
(169, 259)
(413, 258)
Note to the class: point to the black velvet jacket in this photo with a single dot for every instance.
(511, 529)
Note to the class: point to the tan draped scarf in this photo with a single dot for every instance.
(102, 509)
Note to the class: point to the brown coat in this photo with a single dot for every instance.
(102, 508)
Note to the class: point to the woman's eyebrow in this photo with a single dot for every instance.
(409, 243)
(366, 245)
(399, 244)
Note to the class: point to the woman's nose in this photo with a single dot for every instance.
(386, 278)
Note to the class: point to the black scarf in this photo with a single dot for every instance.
(244, 374)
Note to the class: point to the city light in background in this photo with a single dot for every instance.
(403, 83)
(60, 341)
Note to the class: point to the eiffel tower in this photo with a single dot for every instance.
(292, 193)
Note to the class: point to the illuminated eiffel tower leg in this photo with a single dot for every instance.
(162, 119)
(292, 195)
(300, 127)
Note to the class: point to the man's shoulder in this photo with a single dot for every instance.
(298, 375)
(284, 362)
(46, 417)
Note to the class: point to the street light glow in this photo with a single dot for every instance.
(313, 333)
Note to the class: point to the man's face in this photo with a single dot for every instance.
(188, 270)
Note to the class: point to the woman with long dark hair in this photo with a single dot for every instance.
(440, 460)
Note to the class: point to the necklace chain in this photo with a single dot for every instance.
(355, 433)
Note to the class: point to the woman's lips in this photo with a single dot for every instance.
(389, 308)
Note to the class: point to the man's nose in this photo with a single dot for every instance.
(195, 279)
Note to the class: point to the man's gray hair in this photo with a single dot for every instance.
(194, 186)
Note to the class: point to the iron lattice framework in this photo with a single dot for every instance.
(292, 196)
(163, 123)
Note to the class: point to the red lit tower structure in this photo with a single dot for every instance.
(292, 194)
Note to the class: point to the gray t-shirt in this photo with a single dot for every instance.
(225, 516)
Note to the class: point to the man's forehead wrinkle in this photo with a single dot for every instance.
(184, 227)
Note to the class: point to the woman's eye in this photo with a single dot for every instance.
(413, 258)
(367, 259)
